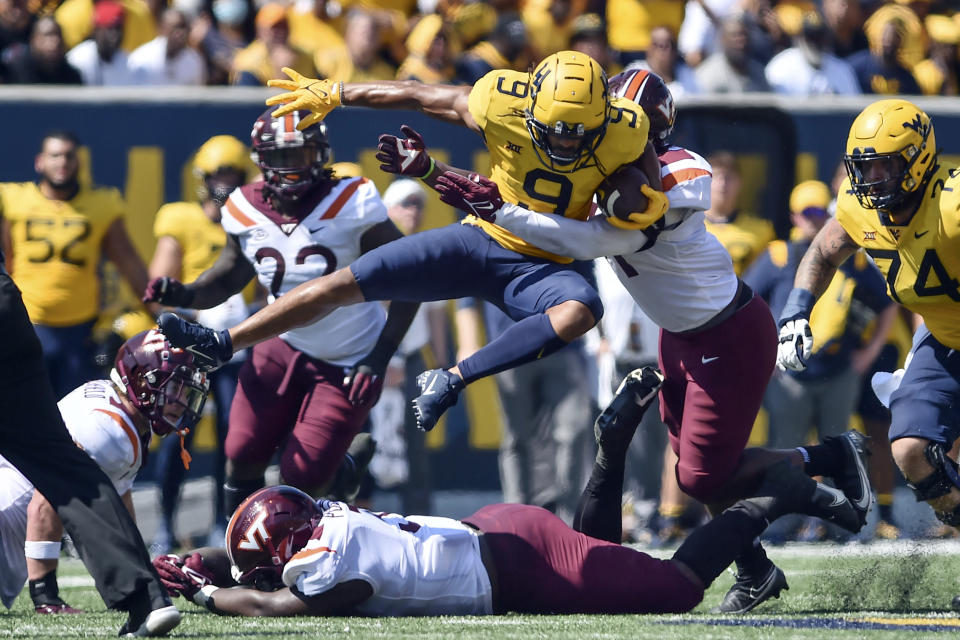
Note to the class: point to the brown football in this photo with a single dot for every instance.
(619, 195)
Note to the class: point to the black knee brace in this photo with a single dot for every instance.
(939, 483)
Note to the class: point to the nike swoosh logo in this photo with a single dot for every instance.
(706, 360)
(318, 228)
(838, 496)
(756, 591)
(863, 502)
(920, 235)
(429, 390)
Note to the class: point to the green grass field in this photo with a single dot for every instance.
(880, 591)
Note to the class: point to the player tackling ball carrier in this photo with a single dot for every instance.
(330, 558)
(553, 136)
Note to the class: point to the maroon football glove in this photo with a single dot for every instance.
(477, 195)
(404, 156)
(365, 385)
(183, 576)
(167, 291)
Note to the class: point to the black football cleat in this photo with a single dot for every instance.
(786, 489)
(157, 623)
(439, 390)
(617, 424)
(853, 479)
(353, 469)
(750, 591)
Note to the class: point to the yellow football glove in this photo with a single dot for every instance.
(657, 205)
(318, 96)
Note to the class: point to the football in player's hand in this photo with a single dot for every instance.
(619, 195)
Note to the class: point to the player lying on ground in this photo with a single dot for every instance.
(903, 207)
(153, 388)
(330, 558)
(562, 136)
(718, 340)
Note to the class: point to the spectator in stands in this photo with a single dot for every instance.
(844, 19)
(501, 50)
(16, 24)
(549, 26)
(699, 35)
(432, 52)
(360, 59)
(263, 58)
(220, 33)
(664, 60)
(472, 22)
(100, 60)
(632, 22)
(880, 71)
(731, 69)
(743, 235)
(318, 30)
(55, 232)
(167, 59)
(589, 35)
(45, 62)
(808, 68)
(938, 74)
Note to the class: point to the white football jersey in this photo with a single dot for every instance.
(686, 276)
(417, 565)
(98, 425)
(288, 254)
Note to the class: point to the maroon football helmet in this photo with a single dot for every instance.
(161, 381)
(266, 530)
(292, 161)
(648, 90)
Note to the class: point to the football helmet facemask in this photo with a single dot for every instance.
(161, 381)
(266, 530)
(891, 153)
(292, 161)
(649, 91)
(568, 110)
(220, 166)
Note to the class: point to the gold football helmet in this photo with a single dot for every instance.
(568, 111)
(891, 153)
(220, 166)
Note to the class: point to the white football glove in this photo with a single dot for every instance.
(796, 345)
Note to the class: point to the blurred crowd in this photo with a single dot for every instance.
(697, 46)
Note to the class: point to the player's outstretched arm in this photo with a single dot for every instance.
(444, 102)
(340, 600)
(829, 249)
(228, 275)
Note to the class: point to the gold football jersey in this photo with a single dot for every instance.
(920, 259)
(56, 249)
(497, 102)
(200, 238)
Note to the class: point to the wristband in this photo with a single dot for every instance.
(340, 94)
(433, 167)
(204, 597)
(799, 305)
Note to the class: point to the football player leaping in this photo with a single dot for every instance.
(331, 558)
(903, 206)
(717, 344)
(153, 388)
(309, 390)
(553, 135)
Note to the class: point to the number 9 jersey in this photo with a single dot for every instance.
(56, 249)
(920, 259)
(497, 103)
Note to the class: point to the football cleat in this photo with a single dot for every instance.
(787, 489)
(853, 478)
(353, 469)
(618, 422)
(439, 390)
(748, 591)
(61, 607)
(157, 623)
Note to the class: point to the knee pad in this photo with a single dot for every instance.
(941, 481)
(236, 491)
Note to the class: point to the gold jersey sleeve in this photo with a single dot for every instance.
(920, 259)
(201, 240)
(497, 102)
(56, 249)
(744, 238)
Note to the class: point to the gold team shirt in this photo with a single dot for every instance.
(201, 239)
(920, 259)
(744, 237)
(56, 249)
(497, 102)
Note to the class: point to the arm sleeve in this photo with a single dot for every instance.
(593, 238)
